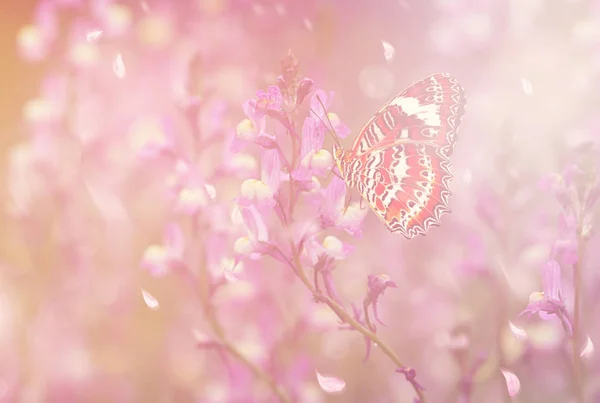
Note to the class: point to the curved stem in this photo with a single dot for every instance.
(576, 322)
(204, 292)
(347, 318)
(205, 284)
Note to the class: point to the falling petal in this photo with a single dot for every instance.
(150, 300)
(144, 6)
(258, 9)
(588, 350)
(388, 50)
(93, 35)
(330, 384)
(512, 383)
(119, 66)
(467, 176)
(527, 87)
(308, 24)
(210, 189)
(517, 331)
(200, 336)
(280, 9)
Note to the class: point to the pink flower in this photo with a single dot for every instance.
(252, 130)
(376, 286)
(549, 303)
(325, 117)
(314, 160)
(324, 267)
(267, 100)
(411, 376)
(160, 259)
(334, 212)
(256, 243)
(565, 248)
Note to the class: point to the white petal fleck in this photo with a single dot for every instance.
(513, 384)
(588, 350)
(517, 331)
(330, 384)
(119, 66)
(527, 87)
(150, 301)
(388, 50)
(93, 35)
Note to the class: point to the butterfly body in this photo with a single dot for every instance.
(400, 160)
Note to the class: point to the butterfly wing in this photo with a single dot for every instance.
(403, 155)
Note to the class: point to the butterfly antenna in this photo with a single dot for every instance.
(330, 129)
(325, 126)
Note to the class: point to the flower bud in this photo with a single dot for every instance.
(304, 89)
(243, 246)
(255, 190)
(333, 244)
(191, 199)
(246, 130)
(320, 160)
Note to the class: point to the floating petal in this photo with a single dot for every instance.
(150, 300)
(330, 384)
(512, 383)
(517, 331)
(119, 66)
(388, 50)
(588, 350)
(92, 36)
(527, 87)
(308, 24)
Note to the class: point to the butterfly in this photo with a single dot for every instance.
(400, 160)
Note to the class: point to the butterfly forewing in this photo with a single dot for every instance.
(400, 160)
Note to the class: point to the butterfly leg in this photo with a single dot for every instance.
(362, 199)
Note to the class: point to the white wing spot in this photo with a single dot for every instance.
(430, 114)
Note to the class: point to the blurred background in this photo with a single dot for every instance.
(87, 85)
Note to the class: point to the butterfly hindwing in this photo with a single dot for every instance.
(406, 185)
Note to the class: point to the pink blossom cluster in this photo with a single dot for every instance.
(178, 229)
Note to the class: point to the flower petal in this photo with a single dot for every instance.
(271, 169)
(174, 240)
(330, 384)
(92, 36)
(527, 87)
(517, 331)
(588, 350)
(388, 50)
(313, 135)
(150, 301)
(119, 66)
(551, 280)
(512, 383)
